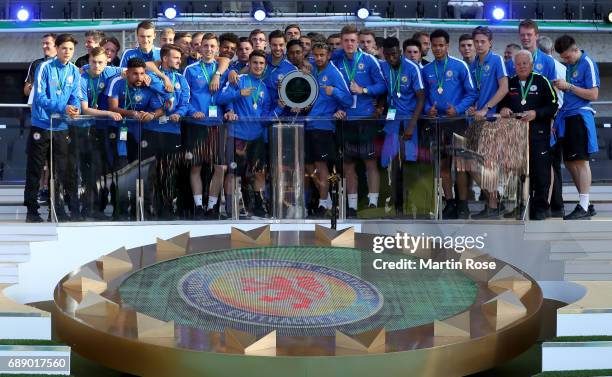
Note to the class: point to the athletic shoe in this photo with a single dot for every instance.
(578, 214)
(371, 205)
(591, 210)
(487, 214)
(212, 213)
(199, 213)
(43, 196)
(463, 211)
(450, 210)
(320, 212)
(538, 215)
(33, 217)
(259, 211)
(555, 213)
(351, 213)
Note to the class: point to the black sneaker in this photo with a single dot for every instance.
(450, 210)
(351, 213)
(371, 205)
(199, 213)
(578, 214)
(320, 212)
(259, 211)
(43, 196)
(591, 210)
(463, 211)
(556, 213)
(212, 213)
(538, 215)
(34, 217)
(487, 214)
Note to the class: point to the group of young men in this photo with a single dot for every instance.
(201, 103)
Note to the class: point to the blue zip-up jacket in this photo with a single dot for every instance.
(544, 65)
(407, 84)
(487, 75)
(457, 85)
(141, 99)
(324, 105)
(243, 106)
(151, 56)
(56, 86)
(100, 84)
(237, 66)
(178, 103)
(367, 75)
(410, 81)
(201, 97)
(510, 69)
(91, 87)
(583, 74)
(274, 74)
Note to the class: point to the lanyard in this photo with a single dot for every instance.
(255, 94)
(440, 81)
(351, 73)
(569, 73)
(478, 72)
(394, 85)
(168, 104)
(525, 90)
(60, 82)
(94, 91)
(128, 99)
(205, 71)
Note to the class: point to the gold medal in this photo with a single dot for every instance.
(440, 90)
(399, 95)
(523, 102)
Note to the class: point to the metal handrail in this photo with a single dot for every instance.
(13, 105)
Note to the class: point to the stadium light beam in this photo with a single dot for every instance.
(498, 13)
(23, 15)
(363, 13)
(170, 13)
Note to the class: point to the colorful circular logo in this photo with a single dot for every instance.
(280, 293)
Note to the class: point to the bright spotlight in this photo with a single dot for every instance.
(498, 13)
(608, 18)
(23, 14)
(363, 13)
(259, 15)
(170, 13)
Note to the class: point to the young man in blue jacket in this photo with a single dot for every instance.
(203, 142)
(362, 74)
(405, 99)
(575, 123)
(146, 50)
(56, 94)
(449, 92)
(251, 99)
(96, 150)
(140, 108)
(489, 72)
(320, 139)
(137, 103)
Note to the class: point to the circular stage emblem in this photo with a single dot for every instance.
(280, 293)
